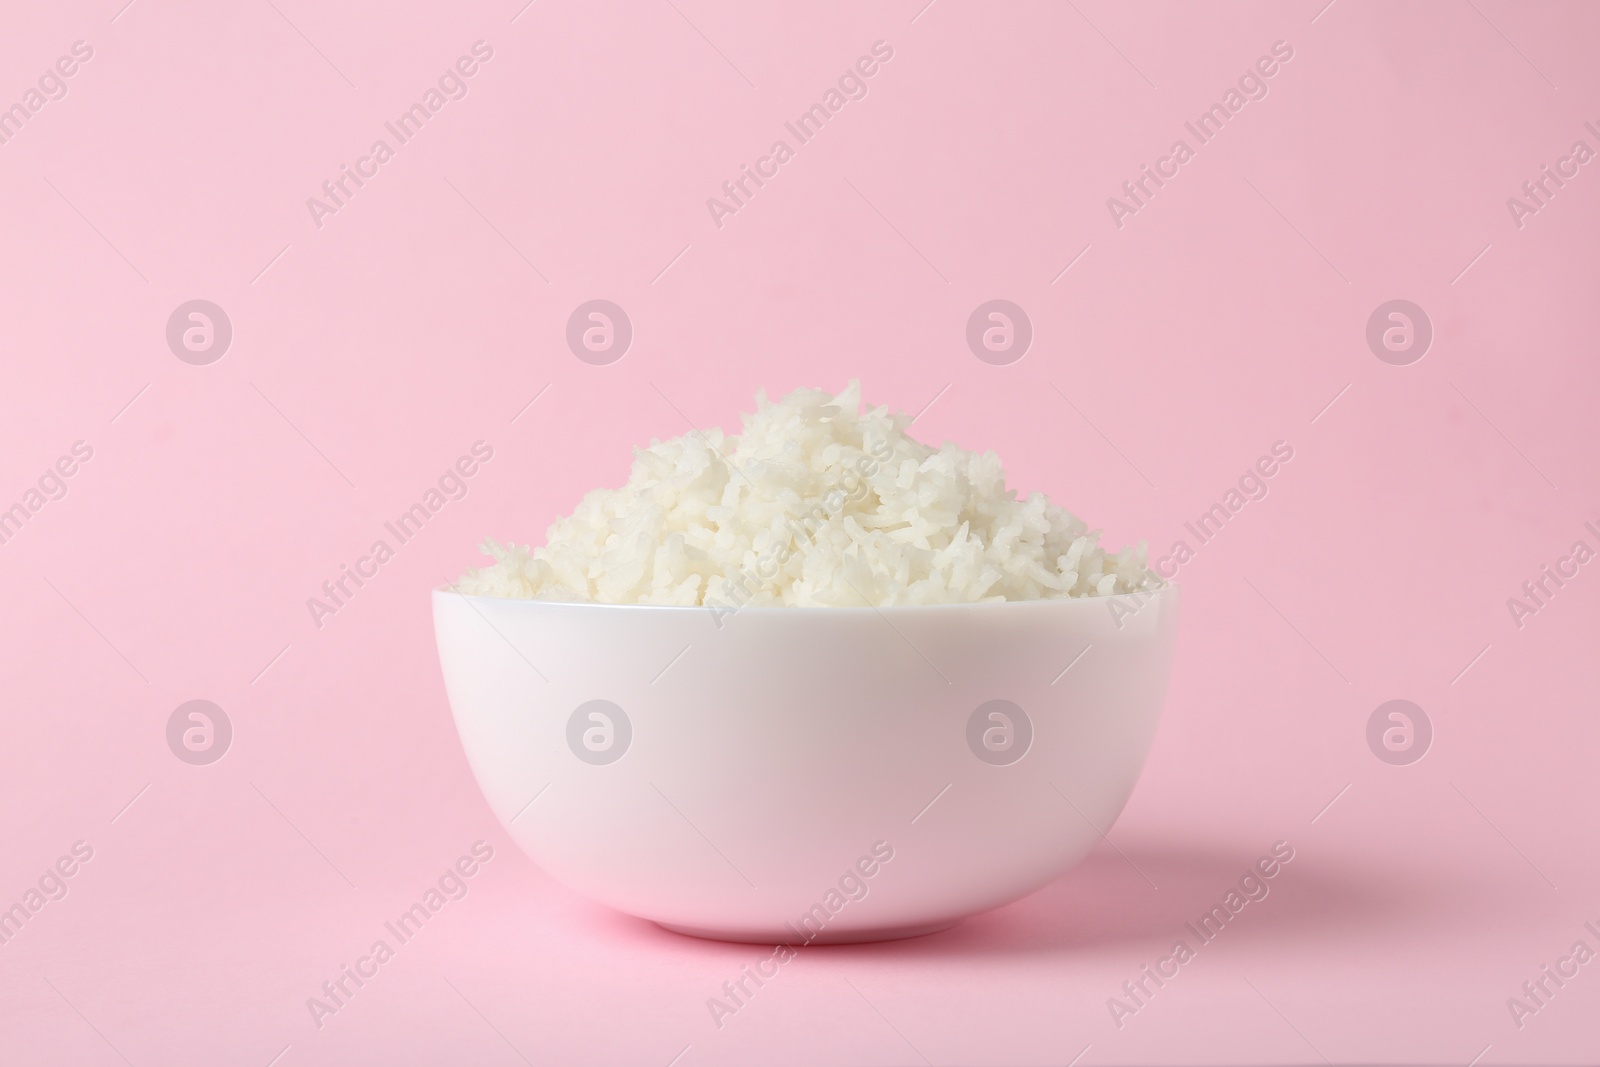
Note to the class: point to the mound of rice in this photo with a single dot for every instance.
(816, 503)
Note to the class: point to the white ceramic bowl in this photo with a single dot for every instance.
(787, 775)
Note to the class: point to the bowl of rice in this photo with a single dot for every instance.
(812, 682)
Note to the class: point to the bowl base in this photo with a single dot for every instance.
(786, 935)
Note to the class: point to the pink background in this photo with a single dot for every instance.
(370, 352)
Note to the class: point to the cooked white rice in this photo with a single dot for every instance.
(816, 503)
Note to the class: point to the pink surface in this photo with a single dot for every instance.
(1227, 313)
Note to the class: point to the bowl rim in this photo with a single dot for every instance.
(1168, 587)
